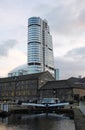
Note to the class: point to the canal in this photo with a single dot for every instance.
(37, 122)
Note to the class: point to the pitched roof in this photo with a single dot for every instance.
(57, 84)
(74, 79)
(24, 77)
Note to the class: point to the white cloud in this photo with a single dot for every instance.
(66, 19)
(14, 59)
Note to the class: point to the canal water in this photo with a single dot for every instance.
(37, 122)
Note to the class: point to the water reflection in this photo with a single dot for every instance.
(36, 122)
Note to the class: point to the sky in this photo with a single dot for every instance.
(66, 19)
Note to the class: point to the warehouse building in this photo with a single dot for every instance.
(41, 85)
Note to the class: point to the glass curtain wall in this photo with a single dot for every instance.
(40, 49)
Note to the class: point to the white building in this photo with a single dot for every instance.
(19, 70)
(40, 48)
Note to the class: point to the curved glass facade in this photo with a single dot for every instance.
(34, 20)
(34, 52)
(34, 33)
(40, 50)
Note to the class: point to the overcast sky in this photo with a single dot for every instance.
(66, 19)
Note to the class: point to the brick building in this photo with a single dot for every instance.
(68, 90)
(39, 85)
(23, 87)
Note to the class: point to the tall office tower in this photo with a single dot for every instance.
(40, 48)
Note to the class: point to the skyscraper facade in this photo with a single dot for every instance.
(40, 48)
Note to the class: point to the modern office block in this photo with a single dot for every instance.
(40, 48)
(57, 74)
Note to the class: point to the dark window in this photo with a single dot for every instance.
(33, 63)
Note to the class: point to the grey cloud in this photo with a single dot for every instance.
(69, 68)
(81, 17)
(71, 64)
(6, 46)
(76, 54)
(59, 16)
(67, 18)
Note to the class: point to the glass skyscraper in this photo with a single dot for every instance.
(40, 48)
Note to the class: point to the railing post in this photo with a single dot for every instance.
(4, 107)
